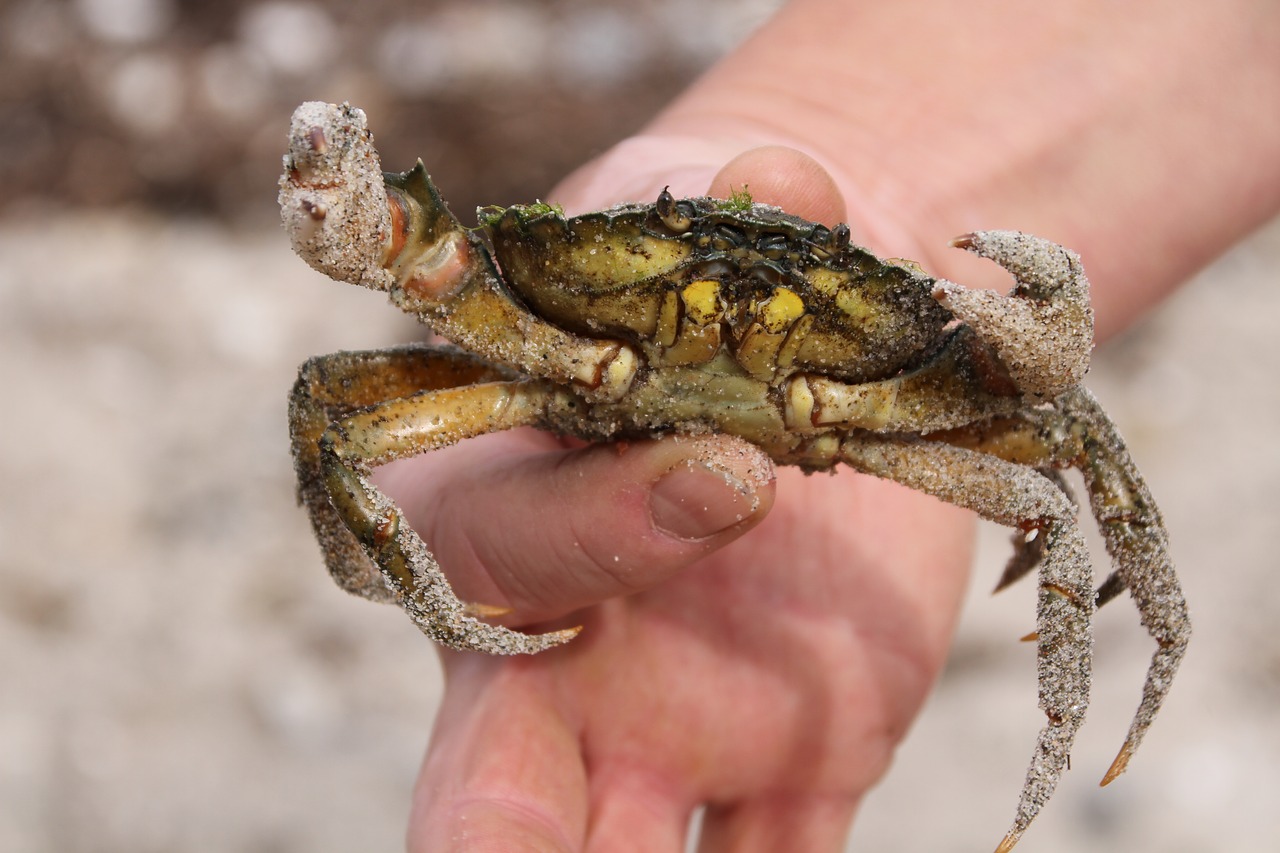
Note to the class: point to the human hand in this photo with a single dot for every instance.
(768, 677)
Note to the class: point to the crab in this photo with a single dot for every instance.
(695, 315)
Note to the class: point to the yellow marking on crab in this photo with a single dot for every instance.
(702, 303)
(852, 304)
(763, 339)
(825, 281)
(605, 262)
(696, 338)
(779, 311)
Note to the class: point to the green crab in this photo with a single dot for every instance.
(696, 315)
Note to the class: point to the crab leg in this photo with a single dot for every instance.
(1077, 433)
(329, 388)
(1017, 496)
(350, 412)
(1138, 544)
(955, 387)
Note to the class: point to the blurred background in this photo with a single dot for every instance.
(176, 671)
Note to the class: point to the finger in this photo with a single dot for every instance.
(504, 770)
(634, 810)
(548, 531)
(809, 823)
(784, 177)
(638, 168)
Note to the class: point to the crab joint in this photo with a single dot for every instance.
(437, 272)
(401, 221)
(800, 404)
(385, 529)
(815, 401)
(611, 376)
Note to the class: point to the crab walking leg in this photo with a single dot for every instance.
(330, 387)
(1136, 539)
(1076, 433)
(407, 427)
(1016, 496)
(352, 411)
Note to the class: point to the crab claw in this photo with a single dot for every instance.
(1043, 330)
(332, 197)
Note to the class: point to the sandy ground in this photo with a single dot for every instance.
(177, 673)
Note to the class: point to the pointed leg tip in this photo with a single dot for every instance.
(1118, 766)
(1009, 842)
(1029, 638)
(551, 639)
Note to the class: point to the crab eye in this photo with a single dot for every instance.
(839, 238)
(824, 243)
(673, 215)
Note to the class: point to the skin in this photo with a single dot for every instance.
(763, 657)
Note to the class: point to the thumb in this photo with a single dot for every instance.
(577, 527)
(637, 168)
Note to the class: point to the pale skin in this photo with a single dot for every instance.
(765, 656)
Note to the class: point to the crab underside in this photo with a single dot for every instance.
(692, 315)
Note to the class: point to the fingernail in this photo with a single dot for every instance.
(695, 501)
